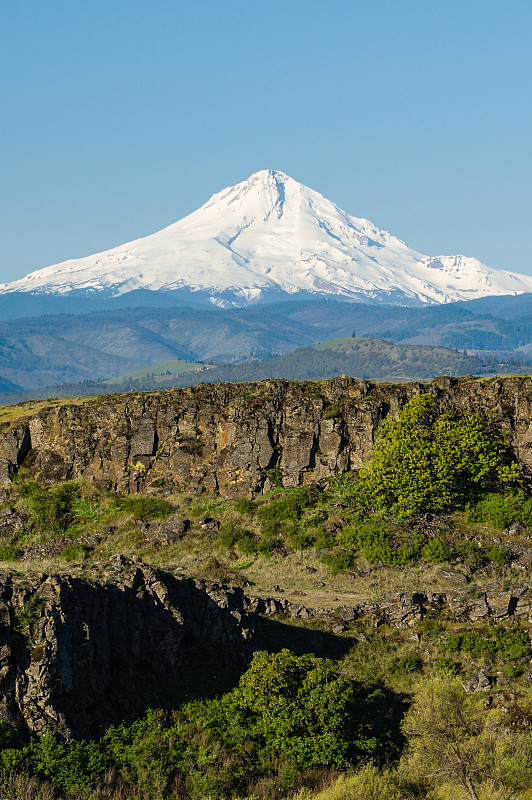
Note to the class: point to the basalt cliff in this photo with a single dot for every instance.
(234, 438)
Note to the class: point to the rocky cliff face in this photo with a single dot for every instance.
(230, 437)
(77, 653)
(82, 651)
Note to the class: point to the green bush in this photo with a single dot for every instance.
(229, 535)
(245, 506)
(28, 616)
(342, 488)
(288, 504)
(10, 553)
(478, 556)
(6, 735)
(300, 539)
(297, 706)
(338, 561)
(408, 663)
(499, 644)
(288, 717)
(375, 541)
(234, 536)
(142, 507)
(85, 510)
(58, 508)
(267, 543)
(75, 552)
(497, 555)
(325, 539)
(271, 528)
(425, 462)
(500, 510)
(247, 544)
(52, 508)
(313, 520)
(432, 628)
(436, 550)
(446, 666)
(473, 554)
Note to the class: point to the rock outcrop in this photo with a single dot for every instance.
(80, 652)
(405, 610)
(235, 438)
(76, 653)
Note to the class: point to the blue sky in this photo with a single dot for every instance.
(120, 117)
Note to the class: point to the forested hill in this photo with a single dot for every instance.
(45, 351)
(371, 359)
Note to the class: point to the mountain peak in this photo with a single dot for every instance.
(271, 234)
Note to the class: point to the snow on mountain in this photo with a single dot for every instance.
(270, 233)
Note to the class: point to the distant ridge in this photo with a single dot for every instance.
(266, 238)
(366, 358)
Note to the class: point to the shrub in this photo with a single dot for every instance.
(500, 510)
(266, 544)
(338, 561)
(477, 556)
(297, 706)
(28, 616)
(432, 628)
(230, 535)
(289, 717)
(499, 644)
(342, 488)
(473, 554)
(325, 539)
(10, 553)
(52, 508)
(446, 666)
(234, 536)
(245, 506)
(85, 509)
(142, 507)
(408, 663)
(300, 540)
(289, 505)
(75, 552)
(497, 555)
(247, 544)
(436, 550)
(425, 462)
(373, 538)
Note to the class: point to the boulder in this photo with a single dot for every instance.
(452, 576)
(476, 682)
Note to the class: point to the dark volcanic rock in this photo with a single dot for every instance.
(234, 438)
(76, 654)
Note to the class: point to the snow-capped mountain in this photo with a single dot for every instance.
(270, 234)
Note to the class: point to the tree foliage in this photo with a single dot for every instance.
(289, 716)
(453, 741)
(429, 462)
(298, 706)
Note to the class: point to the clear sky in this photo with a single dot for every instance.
(118, 117)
